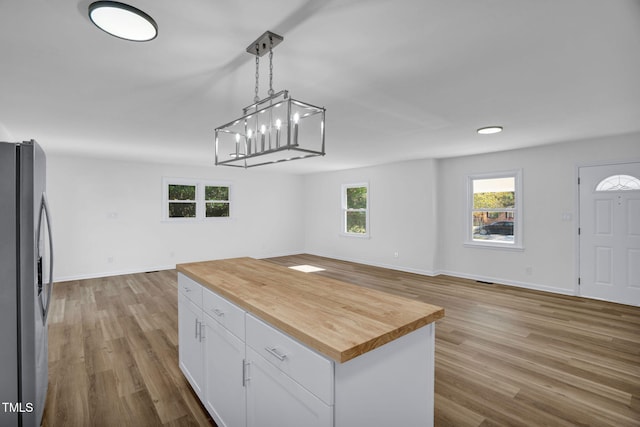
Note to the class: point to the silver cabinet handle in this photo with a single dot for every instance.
(196, 337)
(245, 372)
(187, 289)
(274, 352)
(217, 312)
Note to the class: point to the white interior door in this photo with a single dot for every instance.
(610, 232)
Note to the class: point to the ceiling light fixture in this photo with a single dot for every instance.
(490, 130)
(275, 129)
(123, 21)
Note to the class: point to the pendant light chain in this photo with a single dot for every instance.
(271, 92)
(256, 98)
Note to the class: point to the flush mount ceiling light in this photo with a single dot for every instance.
(489, 130)
(275, 129)
(123, 21)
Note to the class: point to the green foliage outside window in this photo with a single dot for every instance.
(356, 222)
(216, 193)
(217, 201)
(182, 210)
(182, 192)
(357, 198)
(356, 215)
(494, 200)
(215, 210)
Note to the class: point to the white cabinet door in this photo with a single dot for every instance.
(224, 377)
(275, 400)
(190, 343)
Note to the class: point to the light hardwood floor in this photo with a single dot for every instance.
(504, 355)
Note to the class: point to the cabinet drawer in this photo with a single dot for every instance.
(224, 312)
(275, 400)
(190, 288)
(310, 369)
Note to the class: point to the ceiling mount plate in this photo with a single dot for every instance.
(262, 44)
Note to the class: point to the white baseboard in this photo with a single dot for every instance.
(377, 264)
(496, 280)
(98, 275)
(508, 282)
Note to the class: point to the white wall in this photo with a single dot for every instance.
(548, 261)
(417, 209)
(5, 135)
(85, 194)
(402, 210)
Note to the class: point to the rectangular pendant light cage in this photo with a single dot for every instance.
(275, 129)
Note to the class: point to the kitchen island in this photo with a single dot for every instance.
(264, 345)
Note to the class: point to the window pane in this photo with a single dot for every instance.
(619, 183)
(356, 222)
(217, 210)
(182, 210)
(494, 200)
(493, 225)
(494, 193)
(182, 192)
(357, 198)
(216, 193)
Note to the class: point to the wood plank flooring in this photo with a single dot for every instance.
(504, 356)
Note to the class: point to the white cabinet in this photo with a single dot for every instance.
(190, 352)
(250, 374)
(288, 384)
(224, 358)
(276, 400)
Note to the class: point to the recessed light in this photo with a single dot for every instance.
(489, 130)
(123, 21)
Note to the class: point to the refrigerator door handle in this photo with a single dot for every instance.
(44, 305)
(39, 272)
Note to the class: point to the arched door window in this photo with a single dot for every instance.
(619, 183)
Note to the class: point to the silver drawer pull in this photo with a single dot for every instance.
(217, 312)
(274, 352)
(187, 289)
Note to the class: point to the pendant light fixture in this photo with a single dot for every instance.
(275, 129)
(123, 21)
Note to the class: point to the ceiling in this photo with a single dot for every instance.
(400, 80)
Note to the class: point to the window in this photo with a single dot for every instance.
(182, 201)
(355, 210)
(194, 200)
(619, 183)
(216, 200)
(494, 210)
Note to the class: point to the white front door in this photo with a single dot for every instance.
(610, 232)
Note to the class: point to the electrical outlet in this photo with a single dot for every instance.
(396, 254)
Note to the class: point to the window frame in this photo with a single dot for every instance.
(516, 211)
(344, 209)
(201, 202)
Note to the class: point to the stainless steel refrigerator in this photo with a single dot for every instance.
(26, 281)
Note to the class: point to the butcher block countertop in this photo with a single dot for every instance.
(338, 319)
